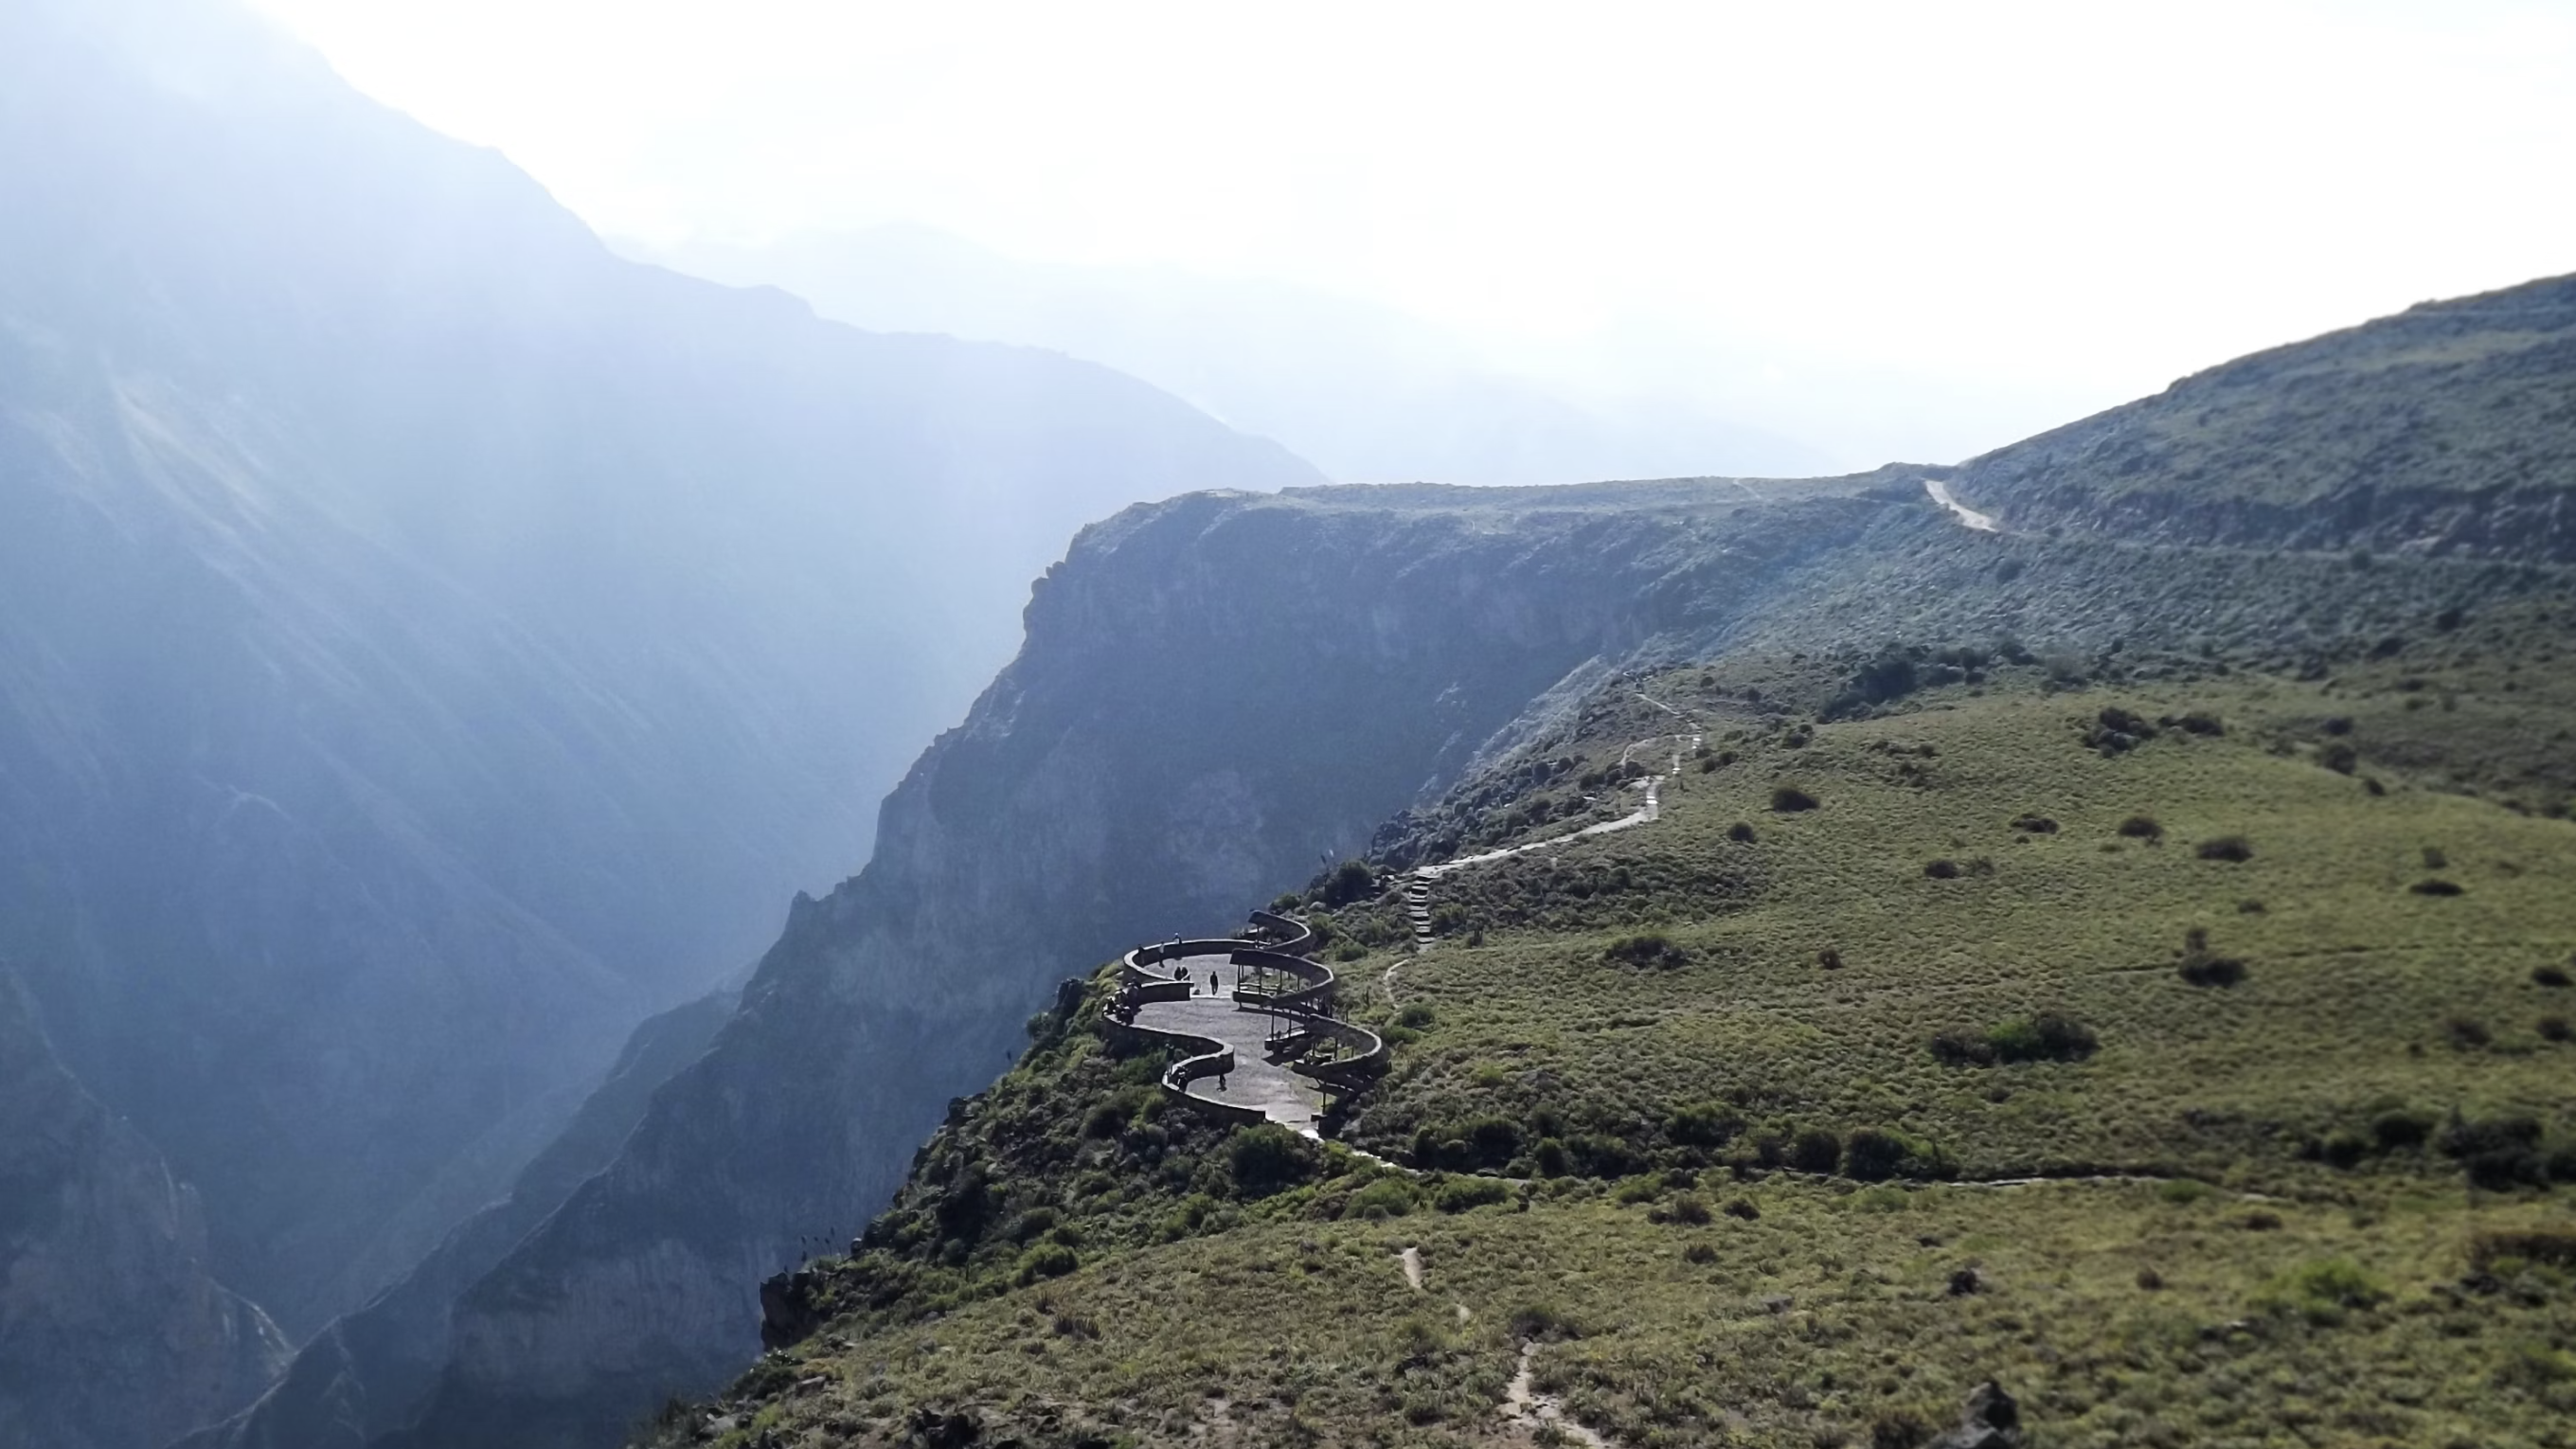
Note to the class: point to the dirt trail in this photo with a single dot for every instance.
(1940, 491)
(1417, 885)
(1529, 1410)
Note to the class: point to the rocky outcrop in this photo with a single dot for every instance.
(113, 1334)
(1215, 695)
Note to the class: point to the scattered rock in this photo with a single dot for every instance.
(1990, 1420)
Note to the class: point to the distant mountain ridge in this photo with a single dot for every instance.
(1368, 394)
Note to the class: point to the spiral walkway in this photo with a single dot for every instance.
(1259, 1018)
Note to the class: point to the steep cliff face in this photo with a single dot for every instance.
(1215, 694)
(112, 1331)
(429, 644)
(369, 1372)
(2444, 430)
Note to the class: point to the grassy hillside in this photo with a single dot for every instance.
(2179, 1038)
(2446, 428)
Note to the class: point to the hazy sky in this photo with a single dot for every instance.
(2083, 200)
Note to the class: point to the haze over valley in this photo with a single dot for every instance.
(1771, 803)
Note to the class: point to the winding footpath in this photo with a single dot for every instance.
(1417, 886)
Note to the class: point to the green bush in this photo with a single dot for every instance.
(2400, 1128)
(1815, 1150)
(1458, 1194)
(1875, 1154)
(1645, 951)
(1047, 1260)
(2049, 1036)
(1352, 880)
(2323, 1290)
(1789, 800)
(1704, 1125)
(1388, 1197)
(2142, 827)
(1269, 1159)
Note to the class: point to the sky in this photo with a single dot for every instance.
(2034, 206)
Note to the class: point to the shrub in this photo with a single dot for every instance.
(1459, 1194)
(1942, 870)
(2438, 887)
(2553, 977)
(1689, 1209)
(2142, 827)
(2497, 1153)
(1268, 1159)
(1789, 799)
(1815, 1150)
(1830, 958)
(1388, 1197)
(1418, 1017)
(2322, 1290)
(1494, 1140)
(1047, 1260)
(1740, 832)
(1741, 1208)
(1552, 1160)
(2034, 824)
(2468, 1035)
(2048, 1036)
(2116, 731)
(2204, 967)
(1352, 880)
(2553, 1246)
(1648, 950)
(2182, 1191)
(1875, 1154)
(2340, 757)
(1541, 1321)
(1638, 1190)
(2226, 847)
(1704, 1125)
(2553, 1028)
(2399, 1129)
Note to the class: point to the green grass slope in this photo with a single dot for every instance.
(2181, 1041)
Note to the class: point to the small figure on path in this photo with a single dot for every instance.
(1211, 983)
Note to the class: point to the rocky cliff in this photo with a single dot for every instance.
(1215, 695)
(103, 1264)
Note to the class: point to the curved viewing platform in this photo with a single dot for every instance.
(1258, 1017)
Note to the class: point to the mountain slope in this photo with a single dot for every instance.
(2164, 1012)
(428, 643)
(1897, 922)
(2445, 429)
(1216, 692)
(103, 1264)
